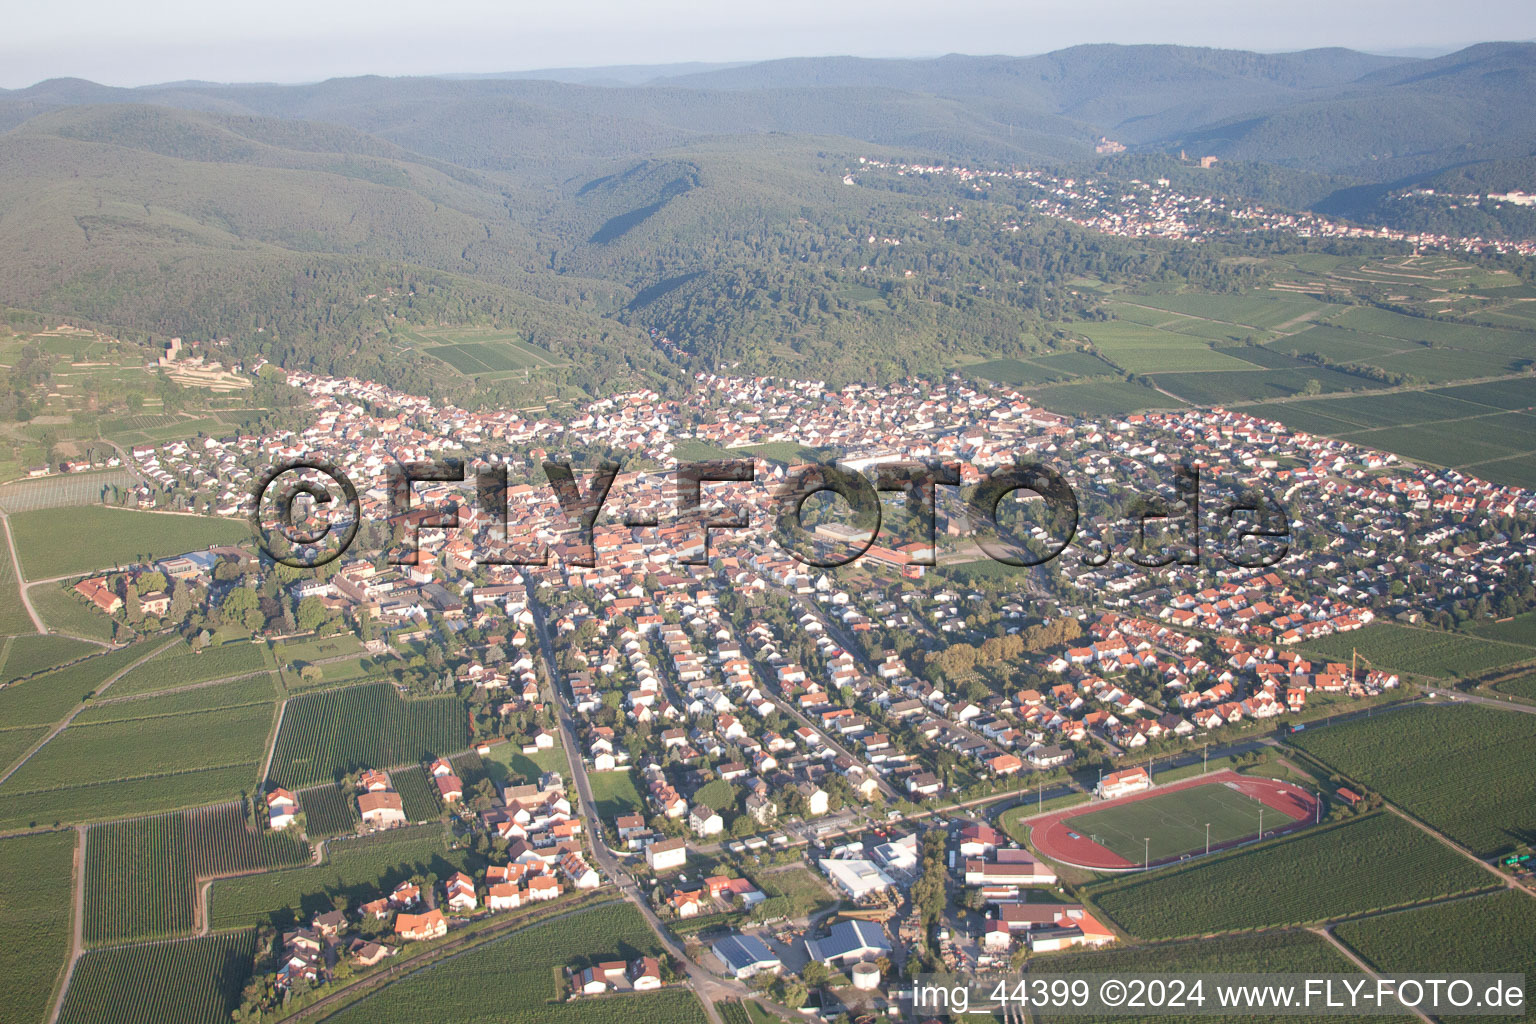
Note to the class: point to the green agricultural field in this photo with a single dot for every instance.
(1457, 768)
(138, 880)
(1482, 428)
(1102, 398)
(615, 793)
(182, 666)
(94, 754)
(237, 693)
(61, 491)
(1426, 652)
(1490, 934)
(1230, 388)
(326, 735)
(1520, 686)
(29, 655)
(14, 742)
(1256, 310)
(45, 699)
(1138, 349)
(87, 801)
(1017, 372)
(515, 980)
(1272, 952)
(358, 869)
(65, 612)
(226, 840)
(1175, 822)
(13, 617)
(1074, 364)
(1364, 864)
(418, 797)
(193, 981)
(36, 897)
(328, 812)
(1521, 629)
(61, 542)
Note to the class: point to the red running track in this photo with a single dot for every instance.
(1051, 837)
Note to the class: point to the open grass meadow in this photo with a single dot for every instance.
(615, 793)
(182, 666)
(297, 653)
(516, 979)
(358, 869)
(802, 891)
(36, 899)
(1461, 769)
(191, 981)
(67, 541)
(1493, 934)
(1419, 651)
(25, 656)
(325, 735)
(1175, 822)
(1368, 863)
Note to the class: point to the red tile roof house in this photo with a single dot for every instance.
(449, 788)
(281, 808)
(420, 927)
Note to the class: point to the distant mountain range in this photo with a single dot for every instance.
(586, 207)
(1334, 111)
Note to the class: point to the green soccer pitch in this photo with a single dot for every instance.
(1175, 822)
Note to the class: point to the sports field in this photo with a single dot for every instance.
(1113, 835)
(1175, 822)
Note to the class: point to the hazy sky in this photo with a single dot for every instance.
(304, 40)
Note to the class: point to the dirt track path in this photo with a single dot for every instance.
(77, 937)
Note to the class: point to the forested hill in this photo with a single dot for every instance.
(326, 225)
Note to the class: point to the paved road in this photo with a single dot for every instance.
(1490, 702)
(709, 987)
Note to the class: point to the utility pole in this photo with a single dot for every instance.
(1207, 839)
(1261, 822)
(1146, 854)
(1205, 758)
